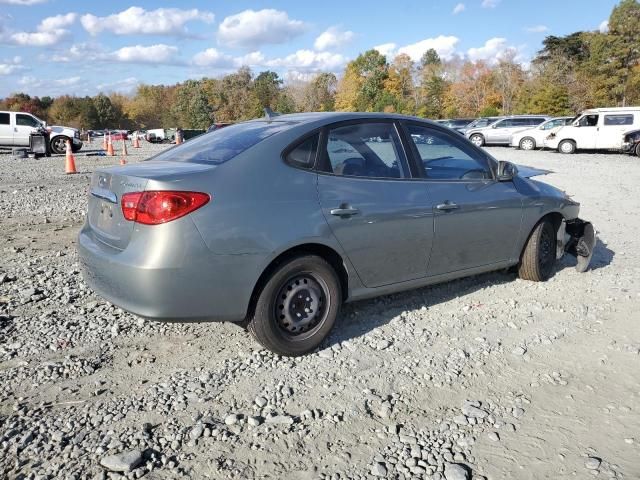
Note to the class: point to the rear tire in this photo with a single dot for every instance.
(567, 146)
(477, 139)
(527, 143)
(539, 255)
(297, 306)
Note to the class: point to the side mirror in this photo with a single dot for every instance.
(576, 124)
(494, 126)
(506, 171)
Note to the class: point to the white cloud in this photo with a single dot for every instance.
(490, 3)
(38, 39)
(57, 22)
(333, 37)
(494, 50)
(211, 58)
(121, 86)
(386, 49)
(159, 53)
(251, 59)
(604, 26)
(459, 8)
(7, 67)
(309, 61)
(444, 45)
(137, 20)
(24, 3)
(537, 29)
(50, 31)
(252, 28)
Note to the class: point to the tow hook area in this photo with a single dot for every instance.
(578, 238)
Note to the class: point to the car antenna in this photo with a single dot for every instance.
(270, 114)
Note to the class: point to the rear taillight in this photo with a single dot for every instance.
(155, 207)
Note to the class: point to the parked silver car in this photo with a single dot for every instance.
(500, 132)
(274, 223)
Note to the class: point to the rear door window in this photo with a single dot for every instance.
(5, 119)
(365, 150)
(223, 144)
(625, 119)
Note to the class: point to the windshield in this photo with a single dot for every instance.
(223, 144)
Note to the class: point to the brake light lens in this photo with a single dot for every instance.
(156, 207)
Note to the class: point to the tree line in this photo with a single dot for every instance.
(570, 73)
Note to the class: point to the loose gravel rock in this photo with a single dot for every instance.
(480, 378)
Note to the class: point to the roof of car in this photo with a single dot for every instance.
(314, 116)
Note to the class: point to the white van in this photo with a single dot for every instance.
(16, 127)
(595, 129)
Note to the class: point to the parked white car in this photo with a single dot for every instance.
(532, 138)
(15, 128)
(595, 129)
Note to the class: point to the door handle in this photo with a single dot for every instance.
(447, 206)
(344, 211)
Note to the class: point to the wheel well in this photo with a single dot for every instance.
(528, 138)
(567, 140)
(327, 253)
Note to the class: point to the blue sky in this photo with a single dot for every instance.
(52, 47)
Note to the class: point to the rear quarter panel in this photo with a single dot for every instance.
(262, 206)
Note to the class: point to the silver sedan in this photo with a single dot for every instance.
(276, 222)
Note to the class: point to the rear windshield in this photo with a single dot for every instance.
(222, 144)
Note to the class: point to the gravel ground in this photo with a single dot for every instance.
(486, 377)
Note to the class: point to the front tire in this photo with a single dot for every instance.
(539, 255)
(527, 143)
(637, 150)
(297, 306)
(477, 139)
(59, 144)
(567, 146)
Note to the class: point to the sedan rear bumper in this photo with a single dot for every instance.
(191, 286)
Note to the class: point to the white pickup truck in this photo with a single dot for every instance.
(15, 128)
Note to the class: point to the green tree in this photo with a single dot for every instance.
(432, 87)
(105, 112)
(624, 45)
(267, 89)
(192, 108)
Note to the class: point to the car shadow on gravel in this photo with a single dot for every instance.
(359, 318)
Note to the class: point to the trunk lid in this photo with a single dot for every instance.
(108, 185)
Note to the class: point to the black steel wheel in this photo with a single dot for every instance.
(297, 306)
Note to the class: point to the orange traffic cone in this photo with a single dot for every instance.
(136, 142)
(110, 151)
(178, 138)
(123, 161)
(104, 142)
(70, 161)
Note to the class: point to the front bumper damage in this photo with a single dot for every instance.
(577, 237)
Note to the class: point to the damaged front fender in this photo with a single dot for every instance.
(578, 238)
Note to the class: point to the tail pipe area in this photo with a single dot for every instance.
(578, 238)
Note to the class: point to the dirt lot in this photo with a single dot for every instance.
(487, 377)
